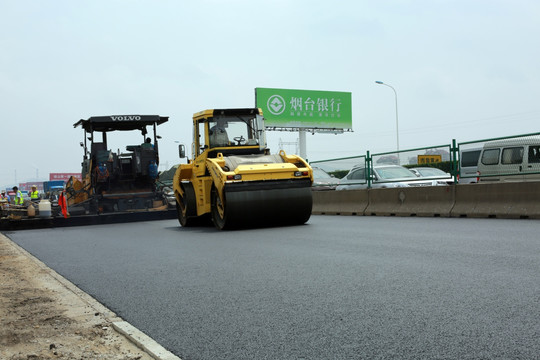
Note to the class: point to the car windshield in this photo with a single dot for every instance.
(389, 173)
(320, 174)
(431, 172)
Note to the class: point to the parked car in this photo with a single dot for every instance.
(468, 165)
(510, 160)
(441, 177)
(382, 176)
(323, 181)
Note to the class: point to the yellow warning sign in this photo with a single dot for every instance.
(428, 159)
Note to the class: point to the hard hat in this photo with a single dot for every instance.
(34, 186)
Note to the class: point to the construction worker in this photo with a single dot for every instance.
(34, 194)
(5, 200)
(18, 197)
(4, 196)
(218, 134)
(147, 144)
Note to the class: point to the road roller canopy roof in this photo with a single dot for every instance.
(207, 114)
(120, 122)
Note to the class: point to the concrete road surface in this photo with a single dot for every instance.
(336, 288)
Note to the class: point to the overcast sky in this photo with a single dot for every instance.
(462, 70)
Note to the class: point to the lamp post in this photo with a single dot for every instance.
(397, 124)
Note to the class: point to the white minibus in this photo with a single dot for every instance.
(516, 159)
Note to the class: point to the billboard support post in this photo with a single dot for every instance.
(302, 143)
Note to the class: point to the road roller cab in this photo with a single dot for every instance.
(233, 179)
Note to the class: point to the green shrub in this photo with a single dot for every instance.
(339, 173)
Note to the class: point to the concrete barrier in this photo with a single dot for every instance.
(411, 201)
(350, 202)
(498, 200)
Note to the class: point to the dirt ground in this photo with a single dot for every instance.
(42, 318)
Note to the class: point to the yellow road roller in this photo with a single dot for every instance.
(234, 181)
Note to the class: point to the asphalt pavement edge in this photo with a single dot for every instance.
(124, 328)
(143, 341)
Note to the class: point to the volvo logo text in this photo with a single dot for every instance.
(126, 118)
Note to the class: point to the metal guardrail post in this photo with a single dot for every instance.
(454, 160)
(368, 169)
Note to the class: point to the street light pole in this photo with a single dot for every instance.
(397, 123)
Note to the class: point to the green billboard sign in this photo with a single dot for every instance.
(286, 108)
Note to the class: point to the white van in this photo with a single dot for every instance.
(468, 165)
(510, 160)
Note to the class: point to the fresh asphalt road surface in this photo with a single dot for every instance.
(336, 288)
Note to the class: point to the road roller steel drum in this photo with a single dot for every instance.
(266, 204)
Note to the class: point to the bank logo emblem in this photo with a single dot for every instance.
(276, 105)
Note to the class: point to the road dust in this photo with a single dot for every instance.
(42, 318)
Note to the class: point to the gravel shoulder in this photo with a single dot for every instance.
(43, 316)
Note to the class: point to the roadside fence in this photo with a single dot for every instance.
(509, 158)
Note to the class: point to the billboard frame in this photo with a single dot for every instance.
(312, 107)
